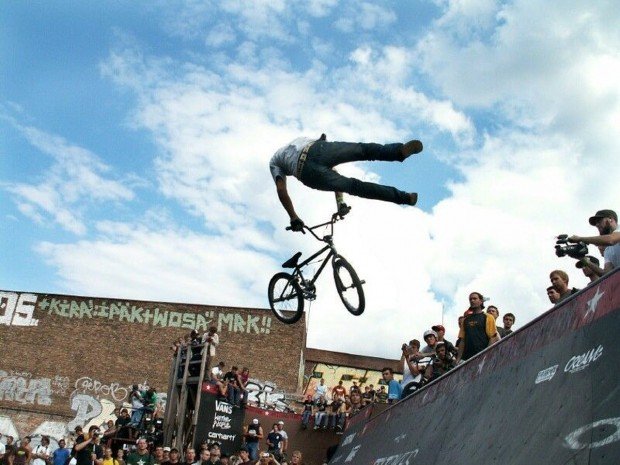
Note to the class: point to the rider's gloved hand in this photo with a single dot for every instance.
(343, 209)
(297, 224)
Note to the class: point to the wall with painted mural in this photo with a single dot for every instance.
(332, 374)
(70, 360)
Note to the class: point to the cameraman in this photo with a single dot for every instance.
(606, 221)
(590, 267)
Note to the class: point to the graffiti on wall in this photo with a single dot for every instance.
(91, 401)
(24, 389)
(267, 395)
(18, 309)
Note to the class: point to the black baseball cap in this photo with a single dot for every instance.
(603, 214)
(594, 260)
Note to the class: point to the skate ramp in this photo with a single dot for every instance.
(549, 393)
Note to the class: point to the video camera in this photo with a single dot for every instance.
(563, 248)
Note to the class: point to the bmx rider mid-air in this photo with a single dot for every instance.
(313, 161)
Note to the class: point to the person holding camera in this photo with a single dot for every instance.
(411, 370)
(606, 221)
(267, 459)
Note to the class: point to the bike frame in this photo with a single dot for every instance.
(328, 238)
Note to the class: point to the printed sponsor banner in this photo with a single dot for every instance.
(219, 421)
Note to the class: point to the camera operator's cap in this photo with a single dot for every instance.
(280, 422)
(603, 214)
(594, 260)
(438, 328)
(430, 333)
(255, 421)
(167, 449)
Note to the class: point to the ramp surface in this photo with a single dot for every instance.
(549, 393)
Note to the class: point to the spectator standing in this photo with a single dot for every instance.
(274, 442)
(339, 391)
(382, 395)
(137, 405)
(394, 387)
(108, 459)
(606, 221)
(61, 454)
(141, 456)
(411, 370)
(440, 364)
(205, 455)
(553, 295)
(42, 453)
(23, 453)
(366, 396)
(320, 389)
(509, 320)
(120, 456)
(174, 457)
(559, 280)
(494, 312)
(158, 455)
(190, 456)
(2, 450)
(284, 443)
(478, 330)
(211, 340)
(354, 387)
(441, 337)
(430, 337)
(590, 266)
(253, 434)
(244, 377)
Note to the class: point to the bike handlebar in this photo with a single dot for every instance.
(335, 217)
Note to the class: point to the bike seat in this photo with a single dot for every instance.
(292, 262)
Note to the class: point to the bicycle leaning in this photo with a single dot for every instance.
(287, 291)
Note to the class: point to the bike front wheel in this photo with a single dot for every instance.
(285, 298)
(349, 286)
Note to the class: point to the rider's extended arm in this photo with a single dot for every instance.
(285, 199)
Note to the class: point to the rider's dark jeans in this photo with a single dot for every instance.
(318, 170)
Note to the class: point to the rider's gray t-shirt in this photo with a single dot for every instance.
(284, 161)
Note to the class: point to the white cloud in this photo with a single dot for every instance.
(75, 179)
(520, 89)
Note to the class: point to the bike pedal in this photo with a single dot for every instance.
(362, 281)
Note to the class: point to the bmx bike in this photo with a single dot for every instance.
(287, 291)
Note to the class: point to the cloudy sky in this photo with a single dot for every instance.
(136, 138)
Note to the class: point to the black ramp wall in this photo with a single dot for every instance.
(547, 394)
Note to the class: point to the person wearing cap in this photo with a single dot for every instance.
(478, 330)
(606, 221)
(430, 337)
(312, 162)
(253, 434)
(441, 363)
(590, 267)
(284, 444)
(441, 333)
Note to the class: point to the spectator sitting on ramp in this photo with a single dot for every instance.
(313, 162)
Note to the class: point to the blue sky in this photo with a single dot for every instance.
(136, 139)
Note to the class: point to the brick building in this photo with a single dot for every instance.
(70, 360)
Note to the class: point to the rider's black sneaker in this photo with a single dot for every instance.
(413, 198)
(343, 209)
(410, 148)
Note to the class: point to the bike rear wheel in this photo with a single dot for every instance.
(349, 286)
(285, 298)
